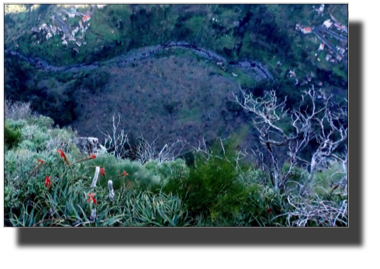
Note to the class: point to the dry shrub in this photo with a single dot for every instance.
(17, 110)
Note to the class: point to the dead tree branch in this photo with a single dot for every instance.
(144, 151)
(115, 143)
(316, 118)
(320, 212)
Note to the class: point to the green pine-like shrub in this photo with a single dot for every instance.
(211, 187)
(12, 133)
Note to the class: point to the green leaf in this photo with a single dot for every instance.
(31, 220)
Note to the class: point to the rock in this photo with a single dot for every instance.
(88, 145)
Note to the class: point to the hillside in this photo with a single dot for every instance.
(208, 115)
(186, 82)
(50, 182)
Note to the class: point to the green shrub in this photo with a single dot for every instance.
(36, 134)
(296, 179)
(254, 176)
(19, 124)
(27, 144)
(212, 187)
(168, 171)
(323, 183)
(12, 134)
(63, 139)
(262, 205)
(256, 205)
(44, 122)
(139, 177)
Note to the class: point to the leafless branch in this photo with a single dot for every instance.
(323, 213)
(115, 142)
(316, 118)
(145, 151)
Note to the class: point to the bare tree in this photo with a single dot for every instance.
(326, 125)
(144, 151)
(139, 149)
(316, 118)
(115, 142)
(322, 213)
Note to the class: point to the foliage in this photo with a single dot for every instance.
(326, 183)
(211, 187)
(216, 189)
(139, 177)
(168, 171)
(12, 134)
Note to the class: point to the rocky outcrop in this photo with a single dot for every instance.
(89, 145)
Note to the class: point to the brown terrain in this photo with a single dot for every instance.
(167, 97)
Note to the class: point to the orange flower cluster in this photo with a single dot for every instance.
(91, 198)
(47, 182)
(63, 156)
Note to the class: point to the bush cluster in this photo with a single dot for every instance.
(41, 189)
(12, 134)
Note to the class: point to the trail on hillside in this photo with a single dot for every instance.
(146, 52)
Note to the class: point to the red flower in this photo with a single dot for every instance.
(41, 161)
(61, 152)
(47, 182)
(92, 156)
(269, 210)
(102, 171)
(64, 156)
(92, 198)
(125, 173)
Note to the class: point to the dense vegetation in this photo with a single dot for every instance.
(175, 93)
(214, 189)
(263, 33)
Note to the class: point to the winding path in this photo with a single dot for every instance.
(144, 53)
